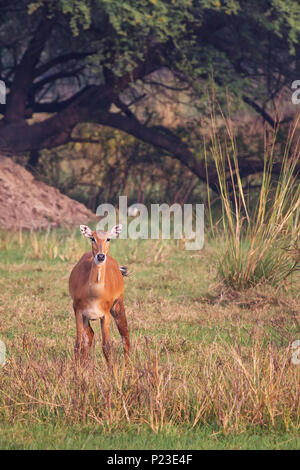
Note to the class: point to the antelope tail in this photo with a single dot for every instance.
(124, 270)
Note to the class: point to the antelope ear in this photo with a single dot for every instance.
(86, 231)
(115, 231)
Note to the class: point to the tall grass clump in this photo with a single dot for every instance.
(260, 240)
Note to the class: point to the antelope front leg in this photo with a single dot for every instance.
(105, 322)
(84, 338)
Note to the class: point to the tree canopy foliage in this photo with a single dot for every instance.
(74, 59)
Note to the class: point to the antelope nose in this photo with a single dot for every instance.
(100, 257)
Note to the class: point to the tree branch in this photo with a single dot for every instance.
(259, 110)
(24, 73)
(177, 149)
(61, 60)
(56, 76)
(150, 135)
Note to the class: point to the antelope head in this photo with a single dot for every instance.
(100, 241)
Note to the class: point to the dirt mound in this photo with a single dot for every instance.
(28, 203)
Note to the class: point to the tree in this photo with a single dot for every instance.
(74, 59)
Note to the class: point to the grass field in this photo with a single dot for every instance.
(210, 367)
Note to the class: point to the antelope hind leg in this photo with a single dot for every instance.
(118, 312)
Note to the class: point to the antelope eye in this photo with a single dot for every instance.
(93, 239)
(108, 239)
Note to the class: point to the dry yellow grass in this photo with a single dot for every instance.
(201, 354)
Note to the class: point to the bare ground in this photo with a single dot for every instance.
(31, 204)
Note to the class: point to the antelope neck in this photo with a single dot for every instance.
(97, 274)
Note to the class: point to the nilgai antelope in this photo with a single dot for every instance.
(96, 286)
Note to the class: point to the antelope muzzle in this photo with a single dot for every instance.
(100, 258)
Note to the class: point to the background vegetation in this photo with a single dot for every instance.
(113, 63)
